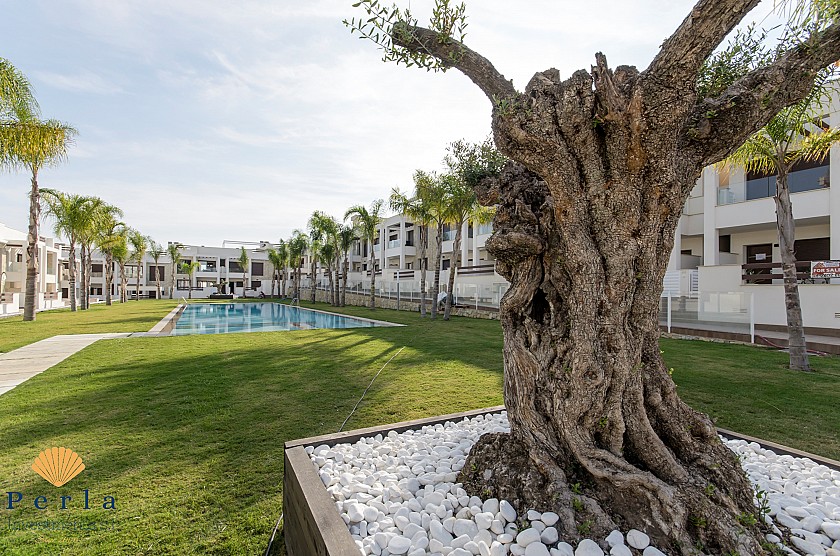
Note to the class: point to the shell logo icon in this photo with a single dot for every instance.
(58, 466)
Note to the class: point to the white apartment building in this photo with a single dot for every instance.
(13, 272)
(219, 271)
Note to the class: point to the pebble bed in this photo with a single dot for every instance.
(398, 496)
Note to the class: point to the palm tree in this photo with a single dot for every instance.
(368, 221)
(298, 244)
(26, 142)
(418, 211)
(468, 164)
(324, 231)
(243, 263)
(102, 218)
(15, 92)
(274, 259)
(174, 251)
(139, 244)
(156, 251)
(346, 237)
(110, 235)
(431, 193)
(189, 269)
(71, 213)
(283, 260)
(795, 134)
(122, 256)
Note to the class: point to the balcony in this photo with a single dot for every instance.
(394, 243)
(762, 187)
(477, 269)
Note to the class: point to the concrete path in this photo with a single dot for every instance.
(21, 364)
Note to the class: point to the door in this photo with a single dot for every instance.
(760, 254)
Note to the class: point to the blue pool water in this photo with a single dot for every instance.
(223, 318)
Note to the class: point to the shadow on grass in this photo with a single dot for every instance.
(188, 431)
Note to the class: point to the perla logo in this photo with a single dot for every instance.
(58, 466)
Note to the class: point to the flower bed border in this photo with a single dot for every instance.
(313, 527)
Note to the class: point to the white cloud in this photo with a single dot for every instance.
(237, 120)
(84, 82)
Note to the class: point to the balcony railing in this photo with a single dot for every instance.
(393, 243)
(449, 235)
(767, 273)
(477, 269)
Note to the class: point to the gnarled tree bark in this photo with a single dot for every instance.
(604, 162)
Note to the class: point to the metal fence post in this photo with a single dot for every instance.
(398, 296)
(752, 318)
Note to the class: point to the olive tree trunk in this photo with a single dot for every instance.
(604, 163)
(31, 293)
(793, 307)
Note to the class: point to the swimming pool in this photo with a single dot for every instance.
(224, 318)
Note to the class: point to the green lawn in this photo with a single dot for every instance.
(133, 316)
(187, 432)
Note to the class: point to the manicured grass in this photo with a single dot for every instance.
(750, 390)
(187, 432)
(134, 316)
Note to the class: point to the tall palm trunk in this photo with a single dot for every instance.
(244, 290)
(313, 282)
(72, 269)
(424, 267)
(372, 266)
(331, 295)
(88, 271)
(172, 282)
(82, 278)
(109, 278)
(438, 255)
(337, 286)
(157, 280)
(793, 308)
(123, 283)
(453, 268)
(344, 279)
(137, 281)
(30, 297)
(285, 276)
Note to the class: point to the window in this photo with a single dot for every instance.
(812, 249)
(256, 284)
(235, 266)
(409, 238)
(222, 262)
(257, 269)
(157, 273)
(804, 176)
(725, 243)
(446, 264)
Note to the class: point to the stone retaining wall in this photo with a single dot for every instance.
(359, 300)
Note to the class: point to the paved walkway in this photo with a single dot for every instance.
(21, 364)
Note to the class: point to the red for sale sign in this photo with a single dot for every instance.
(825, 269)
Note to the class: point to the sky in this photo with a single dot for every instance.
(210, 120)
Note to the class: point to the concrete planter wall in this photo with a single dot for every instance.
(313, 527)
(311, 524)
